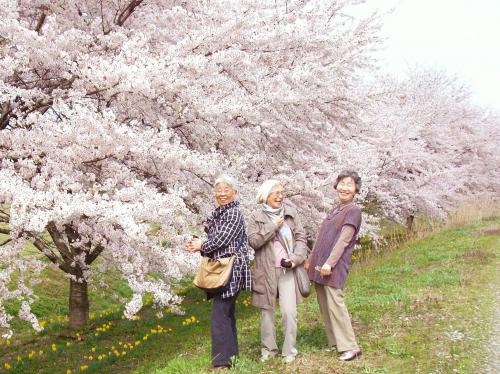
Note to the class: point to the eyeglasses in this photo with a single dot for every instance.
(224, 191)
(348, 185)
(277, 193)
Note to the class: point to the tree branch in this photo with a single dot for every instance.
(200, 177)
(44, 249)
(5, 111)
(104, 31)
(59, 242)
(94, 254)
(41, 20)
(5, 242)
(127, 12)
(96, 160)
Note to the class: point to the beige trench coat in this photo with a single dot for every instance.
(261, 231)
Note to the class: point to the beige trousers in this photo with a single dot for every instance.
(336, 318)
(288, 307)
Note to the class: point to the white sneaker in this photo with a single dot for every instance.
(266, 355)
(350, 355)
(288, 359)
(330, 349)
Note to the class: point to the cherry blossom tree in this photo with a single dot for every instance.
(73, 184)
(115, 115)
(424, 146)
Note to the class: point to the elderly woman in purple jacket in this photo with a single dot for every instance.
(329, 263)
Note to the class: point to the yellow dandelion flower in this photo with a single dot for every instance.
(84, 367)
(137, 342)
(7, 342)
(91, 358)
(68, 344)
(53, 347)
(7, 366)
(19, 358)
(93, 349)
(68, 371)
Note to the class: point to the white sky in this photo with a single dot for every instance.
(461, 37)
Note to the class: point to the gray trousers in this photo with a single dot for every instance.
(288, 307)
(223, 330)
(336, 318)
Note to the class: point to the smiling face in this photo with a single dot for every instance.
(275, 198)
(224, 194)
(346, 189)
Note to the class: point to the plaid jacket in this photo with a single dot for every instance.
(227, 235)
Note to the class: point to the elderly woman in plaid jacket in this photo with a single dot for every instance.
(226, 236)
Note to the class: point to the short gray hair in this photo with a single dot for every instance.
(227, 179)
(265, 190)
(349, 174)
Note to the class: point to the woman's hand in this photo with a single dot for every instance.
(287, 263)
(326, 271)
(193, 245)
(306, 265)
(279, 221)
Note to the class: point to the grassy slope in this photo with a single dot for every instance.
(424, 308)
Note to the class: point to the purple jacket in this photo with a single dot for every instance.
(329, 233)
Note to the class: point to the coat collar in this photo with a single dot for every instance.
(341, 207)
(260, 216)
(223, 208)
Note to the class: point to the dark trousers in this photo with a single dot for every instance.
(223, 330)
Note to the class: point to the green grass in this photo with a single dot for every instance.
(426, 307)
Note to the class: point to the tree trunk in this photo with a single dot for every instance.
(78, 304)
(409, 224)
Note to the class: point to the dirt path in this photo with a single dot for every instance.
(493, 364)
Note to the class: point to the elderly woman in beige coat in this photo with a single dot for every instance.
(279, 240)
